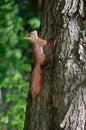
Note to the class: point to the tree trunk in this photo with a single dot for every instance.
(62, 101)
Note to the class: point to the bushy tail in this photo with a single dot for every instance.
(36, 81)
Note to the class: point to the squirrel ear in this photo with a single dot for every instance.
(43, 42)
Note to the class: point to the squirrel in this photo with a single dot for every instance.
(39, 60)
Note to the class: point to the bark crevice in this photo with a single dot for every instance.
(76, 115)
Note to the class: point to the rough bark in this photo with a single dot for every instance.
(62, 101)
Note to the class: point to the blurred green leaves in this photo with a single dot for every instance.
(34, 22)
(15, 61)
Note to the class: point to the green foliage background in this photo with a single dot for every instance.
(17, 19)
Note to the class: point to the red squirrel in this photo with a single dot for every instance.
(39, 60)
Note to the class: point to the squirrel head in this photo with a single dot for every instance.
(33, 36)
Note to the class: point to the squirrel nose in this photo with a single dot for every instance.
(26, 38)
